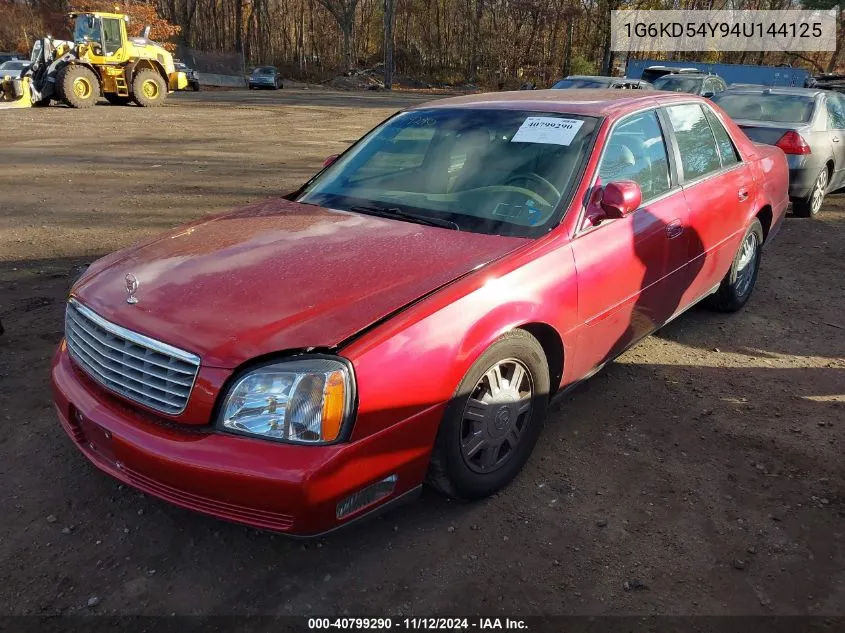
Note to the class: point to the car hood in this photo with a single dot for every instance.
(278, 275)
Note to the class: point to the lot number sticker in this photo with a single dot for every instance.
(547, 129)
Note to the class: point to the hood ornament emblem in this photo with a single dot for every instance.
(131, 288)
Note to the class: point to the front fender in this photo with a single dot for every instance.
(416, 359)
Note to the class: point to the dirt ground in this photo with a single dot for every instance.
(701, 473)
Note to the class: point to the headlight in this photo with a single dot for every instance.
(305, 400)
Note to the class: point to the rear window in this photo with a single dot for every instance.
(759, 106)
(581, 83)
(678, 83)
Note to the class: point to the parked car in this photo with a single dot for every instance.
(406, 315)
(781, 75)
(6, 57)
(808, 124)
(190, 73)
(595, 81)
(692, 83)
(13, 68)
(265, 77)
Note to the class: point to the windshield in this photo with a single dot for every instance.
(264, 70)
(86, 28)
(16, 65)
(678, 83)
(760, 106)
(581, 83)
(488, 171)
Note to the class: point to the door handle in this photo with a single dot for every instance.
(674, 229)
(742, 194)
(835, 139)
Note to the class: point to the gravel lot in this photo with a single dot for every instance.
(702, 473)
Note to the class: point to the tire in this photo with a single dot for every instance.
(736, 287)
(78, 86)
(809, 206)
(148, 88)
(195, 86)
(115, 99)
(43, 103)
(472, 469)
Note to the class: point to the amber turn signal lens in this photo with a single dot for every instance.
(334, 399)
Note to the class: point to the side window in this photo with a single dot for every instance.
(727, 151)
(696, 143)
(636, 151)
(835, 111)
(111, 36)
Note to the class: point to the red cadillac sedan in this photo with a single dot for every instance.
(405, 316)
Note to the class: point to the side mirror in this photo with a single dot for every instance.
(616, 200)
(331, 159)
(708, 94)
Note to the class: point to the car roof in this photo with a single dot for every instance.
(785, 90)
(589, 101)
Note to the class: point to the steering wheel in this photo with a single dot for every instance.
(531, 176)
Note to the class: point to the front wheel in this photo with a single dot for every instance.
(78, 86)
(810, 205)
(493, 421)
(736, 287)
(148, 88)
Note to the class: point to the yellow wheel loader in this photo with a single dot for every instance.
(100, 61)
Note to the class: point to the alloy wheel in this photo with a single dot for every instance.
(818, 192)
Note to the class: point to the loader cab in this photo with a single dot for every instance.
(106, 29)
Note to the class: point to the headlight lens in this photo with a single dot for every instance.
(305, 401)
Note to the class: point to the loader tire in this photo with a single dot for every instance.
(78, 86)
(148, 88)
(117, 99)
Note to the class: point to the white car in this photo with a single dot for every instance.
(13, 68)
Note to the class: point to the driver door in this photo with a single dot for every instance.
(623, 265)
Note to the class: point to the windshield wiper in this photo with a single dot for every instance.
(396, 212)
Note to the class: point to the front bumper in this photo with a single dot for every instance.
(268, 485)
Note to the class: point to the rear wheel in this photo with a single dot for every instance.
(116, 99)
(809, 206)
(736, 287)
(494, 419)
(148, 88)
(78, 86)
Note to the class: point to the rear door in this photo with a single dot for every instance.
(622, 264)
(719, 189)
(836, 133)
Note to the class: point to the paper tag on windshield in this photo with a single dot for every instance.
(547, 129)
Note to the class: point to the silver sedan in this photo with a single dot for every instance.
(807, 124)
(13, 68)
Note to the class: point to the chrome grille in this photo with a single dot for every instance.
(135, 366)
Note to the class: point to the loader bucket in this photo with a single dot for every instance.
(15, 93)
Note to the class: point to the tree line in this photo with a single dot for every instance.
(487, 42)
